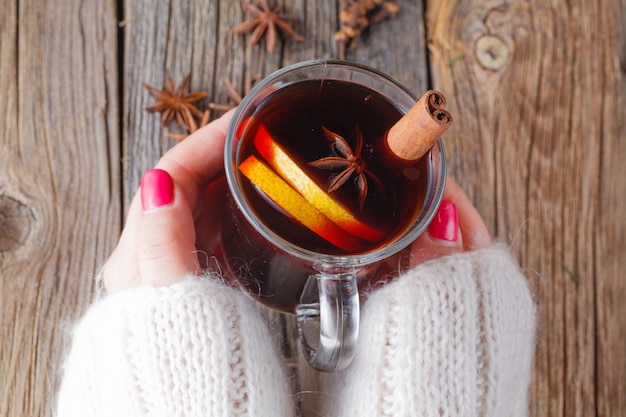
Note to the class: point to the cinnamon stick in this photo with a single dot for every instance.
(420, 128)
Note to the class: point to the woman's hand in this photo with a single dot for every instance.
(174, 218)
(457, 227)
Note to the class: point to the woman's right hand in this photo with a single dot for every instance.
(456, 227)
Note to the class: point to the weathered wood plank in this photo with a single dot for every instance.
(59, 183)
(141, 134)
(537, 144)
(609, 233)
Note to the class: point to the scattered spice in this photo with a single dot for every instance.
(234, 95)
(204, 120)
(175, 104)
(266, 22)
(349, 162)
(358, 15)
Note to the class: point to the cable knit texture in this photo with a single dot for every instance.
(196, 348)
(452, 337)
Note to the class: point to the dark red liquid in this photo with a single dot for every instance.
(294, 117)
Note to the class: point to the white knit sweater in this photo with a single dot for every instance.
(452, 337)
(196, 348)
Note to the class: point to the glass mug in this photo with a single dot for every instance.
(265, 247)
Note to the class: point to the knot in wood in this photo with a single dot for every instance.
(15, 222)
(492, 52)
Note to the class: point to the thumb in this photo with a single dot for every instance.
(166, 251)
(442, 238)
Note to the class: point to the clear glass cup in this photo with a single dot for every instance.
(320, 288)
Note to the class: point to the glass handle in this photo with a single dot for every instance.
(328, 320)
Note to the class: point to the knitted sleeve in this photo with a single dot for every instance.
(452, 337)
(196, 348)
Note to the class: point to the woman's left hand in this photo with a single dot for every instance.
(174, 218)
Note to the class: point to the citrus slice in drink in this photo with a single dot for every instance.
(289, 170)
(289, 200)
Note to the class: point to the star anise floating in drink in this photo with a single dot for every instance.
(177, 104)
(267, 22)
(349, 163)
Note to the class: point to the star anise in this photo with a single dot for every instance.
(204, 120)
(349, 162)
(268, 22)
(356, 17)
(234, 95)
(173, 103)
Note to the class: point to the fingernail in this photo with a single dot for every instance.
(157, 189)
(445, 225)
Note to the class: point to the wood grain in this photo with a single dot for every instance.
(537, 145)
(537, 90)
(59, 184)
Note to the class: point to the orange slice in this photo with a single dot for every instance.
(242, 126)
(288, 199)
(289, 170)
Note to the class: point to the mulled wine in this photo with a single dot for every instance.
(328, 135)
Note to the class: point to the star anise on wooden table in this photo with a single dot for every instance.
(268, 22)
(193, 126)
(233, 95)
(356, 17)
(349, 163)
(176, 104)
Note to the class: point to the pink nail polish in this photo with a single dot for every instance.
(157, 189)
(445, 224)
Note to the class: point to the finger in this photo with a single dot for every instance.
(166, 249)
(121, 269)
(457, 226)
(443, 236)
(473, 229)
(198, 159)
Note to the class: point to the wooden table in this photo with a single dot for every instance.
(539, 143)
